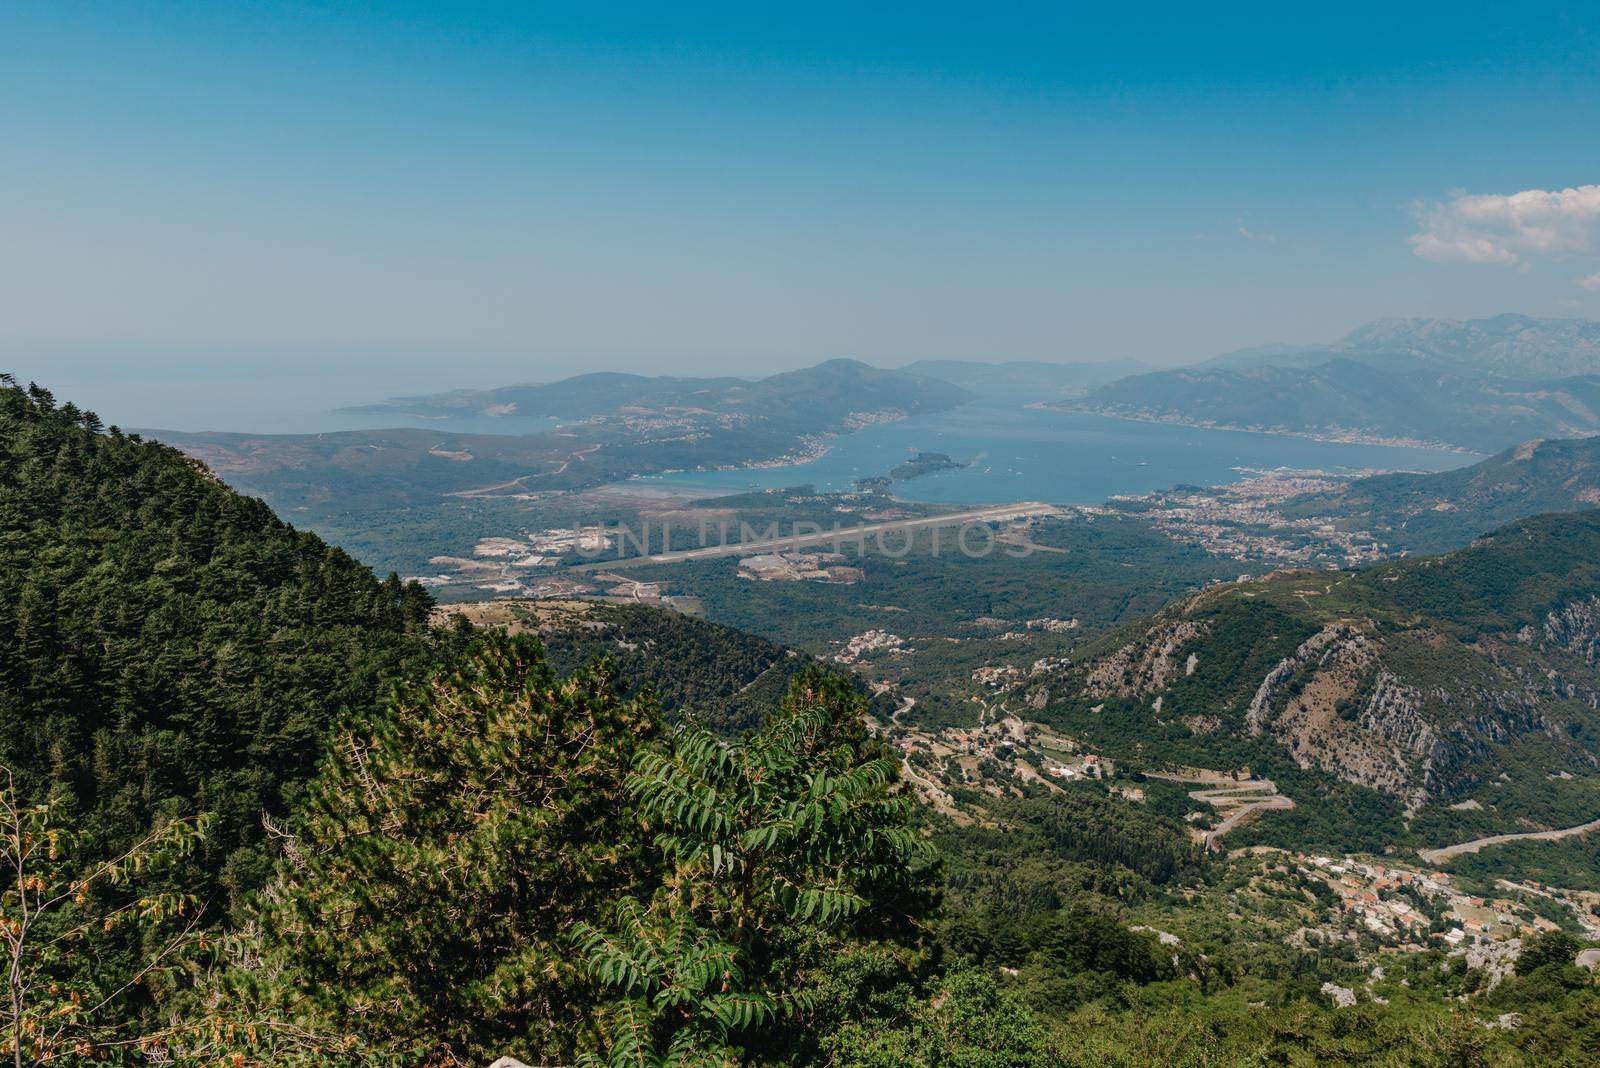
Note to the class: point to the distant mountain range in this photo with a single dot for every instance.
(617, 425)
(1510, 346)
(1479, 385)
(813, 397)
(1060, 379)
(1513, 346)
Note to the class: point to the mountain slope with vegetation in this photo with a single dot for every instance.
(480, 847)
(624, 425)
(1434, 512)
(724, 678)
(1398, 399)
(1402, 688)
(168, 646)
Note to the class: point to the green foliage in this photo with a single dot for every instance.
(1041, 892)
(1556, 948)
(1173, 1028)
(966, 1021)
(1508, 580)
(448, 845)
(66, 996)
(168, 647)
(779, 845)
(724, 678)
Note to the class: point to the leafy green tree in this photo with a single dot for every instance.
(967, 1021)
(1551, 947)
(448, 845)
(780, 848)
(66, 996)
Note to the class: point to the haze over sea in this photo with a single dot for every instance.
(1019, 453)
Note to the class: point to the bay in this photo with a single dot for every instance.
(1017, 453)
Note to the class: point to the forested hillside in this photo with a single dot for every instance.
(168, 646)
(1422, 513)
(723, 678)
(1384, 693)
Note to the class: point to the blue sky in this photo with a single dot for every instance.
(472, 194)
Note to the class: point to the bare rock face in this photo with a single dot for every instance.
(1144, 666)
(1418, 701)
(1497, 960)
(1576, 628)
(1335, 707)
(1343, 997)
(1278, 678)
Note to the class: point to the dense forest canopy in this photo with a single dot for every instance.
(168, 646)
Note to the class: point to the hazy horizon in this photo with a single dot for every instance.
(712, 188)
(271, 389)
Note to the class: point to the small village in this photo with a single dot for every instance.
(1409, 908)
(871, 643)
(1242, 520)
(1395, 906)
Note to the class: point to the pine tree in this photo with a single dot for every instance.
(424, 904)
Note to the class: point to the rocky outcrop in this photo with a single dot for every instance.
(1257, 714)
(1345, 713)
(1144, 666)
(1497, 960)
(1342, 996)
(1576, 629)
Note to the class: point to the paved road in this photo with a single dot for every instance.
(1223, 791)
(1267, 799)
(843, 535)
(1434, 856)
(1274, 803)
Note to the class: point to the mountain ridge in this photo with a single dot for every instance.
(1507, 345)
(1351, 399)
(1424, 681)
(1439, 511)
(823, 387)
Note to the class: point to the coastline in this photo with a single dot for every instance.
(1331, 437)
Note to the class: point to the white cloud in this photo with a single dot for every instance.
(1508, 229)
(1245, 231)
(1591, 282)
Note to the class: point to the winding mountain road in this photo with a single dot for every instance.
(1252, 796)
(1434, 856)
